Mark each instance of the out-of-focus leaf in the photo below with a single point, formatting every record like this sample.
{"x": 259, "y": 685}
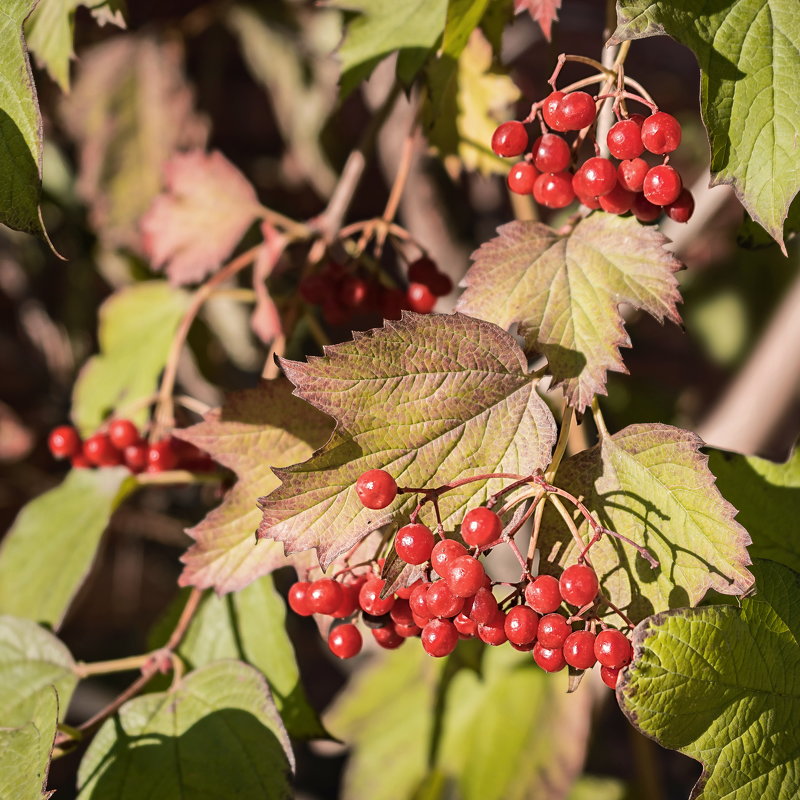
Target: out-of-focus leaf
{"x": 203, "y": 213}
{"x": 589, "y": 787}
{"x": 431, "y": 399}
{"x": 137, "y": 325}
{"x": 254, "y": 431}
{"x": 16, "y": 438}
{"x": 130, "y": 110}
{"x": 544, "y": 13}
{"x": 752, "y": 236}
{"x": 218, "y": 734}
{"x": 47, "y": 553}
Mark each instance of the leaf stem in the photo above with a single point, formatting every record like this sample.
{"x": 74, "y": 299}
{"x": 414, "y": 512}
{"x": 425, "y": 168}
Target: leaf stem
{"x": 599, "y": 422}
{"x": 567, "y": 417}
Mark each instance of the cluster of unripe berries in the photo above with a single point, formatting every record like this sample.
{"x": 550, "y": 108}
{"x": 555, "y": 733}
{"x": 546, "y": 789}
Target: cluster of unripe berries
{"x": 455, "y": 600}
{"x": 343, "y": 294}
{"x": 119, "y": 443}
{"x": 629, "y": 184}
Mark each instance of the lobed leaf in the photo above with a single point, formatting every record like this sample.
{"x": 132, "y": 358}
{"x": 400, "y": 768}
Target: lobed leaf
{"x": 431, "y": 399}
{"x": 543, "y": 12}
{"x": 651, "y": 484}
{"x": 564, "y": 292}
{"x": 254, "y": 429}
{"x": 721, "y": 685}
{"x": 749, "y": 57}
{"x": 216, "y": 735}
{"x": 49, "y": 550}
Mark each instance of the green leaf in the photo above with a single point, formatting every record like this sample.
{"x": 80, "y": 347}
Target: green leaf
{"x": 382, "y": 27}
{"x": 565, "y": 292}
{"x": 720, "y": 684}
{"x": 431, "y": 399}
{"x": 25, "y": 751}
{"x": 464, "y": 103}
{"x": 254, "y": 431}
{"x": 49, "y": 549}
{"x": 249, "y": 625}
{"x": 651, "y": 484}
{"x": 752, "y": 236}
{"x": 20, "y": 125}
{"x": 463, "y": 16}
{"x": 768, "y": 498}
{"x": 749, "y": 56}
{"x": 216, "y": 735}
{"x": 50, "y": 29}
{"x": 400, "y": 750}
{"x": 589, "y": 787}
{"x": 136, "y": 327}
{"x": 32, "y": 663}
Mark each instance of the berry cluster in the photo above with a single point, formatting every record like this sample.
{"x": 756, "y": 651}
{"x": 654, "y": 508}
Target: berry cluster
{"x": 455, "y": 599}
{"x": 618, "y": 185}
{"x": 343, "y": 294}
{"x": 119, "y": 443}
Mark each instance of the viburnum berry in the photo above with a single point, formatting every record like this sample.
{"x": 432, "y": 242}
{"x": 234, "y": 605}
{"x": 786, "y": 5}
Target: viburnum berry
{"x": 122, "y": 433}
{"x": 644, "y": 210}
{"x": 465, "y": 575}
{"x": 510, "y": 139}
{"x": 422, "y": 270}
{"x": 521, "y": 625}
{"x": 618, "y": 201}
{"x": 576, "y": 111}
{"x": 388, "y": 638}
{"x": 521, "y": 178}
{"x": 420, "y": 298}
{"x": 419, "y": 600}
{"x": 578, "y": 584}
{"x": 298, "y": 598}
{"x": 162, "y": 456}
{"x": 349, "y": 602}
{"x": 375, "y": 620}
{"x": 624, "y": 139}
{"x": 554, "y": 189}
{"x": 550, "y": 659}
{"x": 401, "y": 612}
{"x": 578, "y": 649}
{"x": 64, "y": 442}
{"x": 407, "y": 631}
{"x": 405, "y": 591}
{"x": 414, "y": 543}
{"x": 314, "y": 288}
{"x": 370, "y": 600}
{"x": 551, "y": 153}
{"x": 345, "y": 640}
{"x": 376, "y": 488}
{"x": 79, "y": 461}
{"x": 481, "y": 526}
{"x": 662, "y": 185}
{"x": 681, "y": 210}
{"x": 494, "y": 631}
{"x": 610, "y": 676}
{"x": 441, "y": 284}
{"x": 596, "y": 177}
{"x": 324, "y": 596}
{"x": 482, "y": 607}
{"x": 392, "y": 303}
{"x": 99, "y": 451}
{"x": 543, "y": 595}
{"x": 553, "y": 630}
{"x": 630, "y": 174}
{"x": 466, "y": 627}
{"x": 613, "y": 649}
{"x": 523, "y": 648}
{"x": 550, "y": 111}
{"x": 439, "y": 638}
{"x": 584, "y": 199}
{"x": 442, "y": 602}
{"x": 444, "y": 552}
{"x": 353, "y": 292}
{"x": 661, "y": 133}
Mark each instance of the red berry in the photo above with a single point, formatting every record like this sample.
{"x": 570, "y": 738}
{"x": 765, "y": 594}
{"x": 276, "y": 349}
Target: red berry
{"x": 553, "y": 630}
{"x": 135, "y": 457}
{"x": 441, "y": 284}
{"x": 625, "y": 139}
{"x": 376, "y": 488}
{"x": 510, "y": 139}
{"x": 401, "y": 612}
{"x": 494, "y": 632}
{"x": 79, "y": 461}
{"x": 662, "y": 185}
{"x": 407, "y": 631}
{"x": 554, "y": 190}
{"x": 423, "y": 270}
{"x": 345, "y": 641}
{"x": 324, "y": 596}
{"x": 683, "y": 208}
{"x": 644, "y": 210}
{"x": 353, "y": 292}
{"x": 369, "y": 597}
{"x": 349, "y": 602}
{"x": 549, "y": 659}
{"x": 314, "y": 289}
{"x": 162, "y": 456}
{"x": 482, "y": 607}
{"x": 521, "y": 625}
{"x": 442, "y": 602}
{"x": 612, "y": 649}
{"x": 542, "y": 595}
{"x": 618, "y": 201}
{"x": 439, "y": 638}
{"x": 466, "y": 627}
{"x": 480, "y": 527}
{"x": 414, "y": 543}
{"x": 392, "y": 303}
{"x": 444, "y": 552}
{"x": 661, "y": 133}
{"x": 388, "y": 638}
{"x": 122, "y": 433}
{"x": 610, "y": 676}
{"x": 576, "y": 111}
{"x": 521, "y": 178}
{"x": 405, "y": 592}
{"x": 298, "y": 598}
{"x": 99, "y": 451}
{"x": 418, "y": 601}
{"x": 465, "y": 576}
{"x": 420, "y": 298}
{"x": 523, "y": 648}
{"x": 551, "y": 153}
{"x": 579, "y": 650}
{"x": 630, "y": 174}
{"x": 596, "y": 177}
{"x": 64, "y": 442}
{"x": 550, "y": 111}
{"x": 584, "y": 199}
{"x": 578, "y": 584}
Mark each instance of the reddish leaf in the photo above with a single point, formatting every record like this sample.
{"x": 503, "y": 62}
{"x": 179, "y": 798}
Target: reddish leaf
{"x": 545, "y": 12}
{"x": 266, "y": 319}
{"x": 204, "y": 212}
